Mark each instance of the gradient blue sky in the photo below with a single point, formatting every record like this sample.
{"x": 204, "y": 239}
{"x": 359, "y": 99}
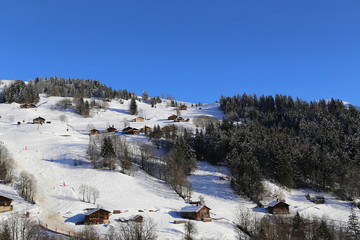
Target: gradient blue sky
{"x": 194, "y": 50}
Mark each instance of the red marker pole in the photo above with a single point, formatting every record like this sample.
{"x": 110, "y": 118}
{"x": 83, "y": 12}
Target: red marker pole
{"x": 52, "y": 160}
{"x": 64, "y": 184}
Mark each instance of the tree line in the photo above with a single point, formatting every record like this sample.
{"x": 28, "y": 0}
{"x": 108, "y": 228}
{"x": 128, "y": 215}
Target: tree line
{"x": 293, "y": 143}
{"x": 297, "y": 227}
{"x": 21, "y": 92}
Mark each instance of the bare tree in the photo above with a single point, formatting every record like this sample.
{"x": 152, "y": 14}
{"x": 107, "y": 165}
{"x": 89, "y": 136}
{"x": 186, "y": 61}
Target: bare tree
{"x": 245, "y": 226}
{"x": 89, "y": 233}
{"x": 19, "y": 227}
{"x": 95, "y": 194}
{"x": 6, "y": 165}
{"x": 93, "y": 150}
{"x": 26, "y": 186}
{"x": 104, "y": 105}
{"x": 145, "y": 230}
{"x": 90, "y": 126}
{"x": 190, "y": 230}
{"x": 63, "y": 118}
{"x": 126, "y": 123}
{"x": 147, "y": 155}
{"x": 202, "y": 200}
{"x": 89, "y": 193}
{"x": 204, "y": 120}
{"x": 82, "y": 191}
{"x": 64, "y": 103}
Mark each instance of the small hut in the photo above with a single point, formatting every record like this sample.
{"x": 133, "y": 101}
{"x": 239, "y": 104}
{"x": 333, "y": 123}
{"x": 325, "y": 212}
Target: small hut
{"x": 179, "y": 119}
{"x": 138, "y": 218}
{"x": 94, "y": 131}
{"x": 130, "y": 130}
{"x": 196, "y": 203}
{"x": 39, "y": 120}
{"x": 5, "y": 204}
{"x": 317, "y": 199}
{"x": 111, "y": 129}
{"x": 28, "y": 105}
{"x": 278, "y": 207}
{"x": 196, "y": 213}
{"x": 139, "y": 119}
{"x": 183, "y": 107}
{"x": 97, "y": 216}
{"x": 172, "y": 117}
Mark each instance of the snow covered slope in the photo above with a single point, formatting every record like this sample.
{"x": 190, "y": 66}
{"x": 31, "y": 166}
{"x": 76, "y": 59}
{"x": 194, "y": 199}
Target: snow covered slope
{"x": 49, "y": 152}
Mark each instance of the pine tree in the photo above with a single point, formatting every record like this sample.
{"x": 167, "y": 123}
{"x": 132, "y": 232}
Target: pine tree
{"x": 5, "y": 233}
{"x": 353, "y": 226}
{"x": 185, "y": 155}
{"x": 298, "y": 229}
{"x": 108, "y": 153}
{"x": 323, "y": 231}
{"x": 145, "y": 96}
{"x": 199, "y": 144}
{"x": 133, "y": 106}
{"x": 86, "y": 109}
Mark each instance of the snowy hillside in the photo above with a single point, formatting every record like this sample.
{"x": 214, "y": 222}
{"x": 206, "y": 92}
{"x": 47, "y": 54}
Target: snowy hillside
{"x": 55, "y": 154}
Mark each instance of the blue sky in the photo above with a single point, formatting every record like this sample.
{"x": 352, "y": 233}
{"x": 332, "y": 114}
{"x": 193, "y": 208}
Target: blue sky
{"x": 194, "y": 50}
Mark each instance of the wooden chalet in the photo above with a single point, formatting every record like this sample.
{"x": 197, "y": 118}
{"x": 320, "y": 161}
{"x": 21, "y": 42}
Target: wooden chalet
{"x": 97, "y": 216}
{"x": 28, "y": 105}
{"x": 139, "y": 119}
{"x": 172, "y": 117}
{"x": 316, "y": 199}
{"x": 138, "y": 218}
{"x": 5, "y": 204}
{"x": 145, "y": 129}
{"x": 199, "y": 213}
{"x": 94, "y": 131}
{"x": 278, "y": 207}
{"x": 180, "y": 119}
{"x": 130, "y": 130}
{"x": 111, "y": 129}
{"x": 39, "y": 120}
{"x": 183, "y": 107}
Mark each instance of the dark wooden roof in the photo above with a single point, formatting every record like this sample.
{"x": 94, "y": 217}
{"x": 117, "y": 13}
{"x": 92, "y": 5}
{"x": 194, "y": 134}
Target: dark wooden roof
{"x": 275, "y": 203}
{"x": 39, "y": 118}
{"x": 95, "y": 210}
{"x": 5, "y": 199}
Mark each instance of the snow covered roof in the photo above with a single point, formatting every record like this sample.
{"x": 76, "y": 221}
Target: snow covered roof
{"x": 94, "y": 210}
{"x": 272, "y": 204}
{"x": 192, "y": 208}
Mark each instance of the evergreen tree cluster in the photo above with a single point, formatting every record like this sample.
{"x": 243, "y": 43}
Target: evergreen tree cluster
{"x": 29, "y": 93}
{"x": 296, "y": 228}
{"x": 294, "y": 143}
{"x": 20, "y": 92}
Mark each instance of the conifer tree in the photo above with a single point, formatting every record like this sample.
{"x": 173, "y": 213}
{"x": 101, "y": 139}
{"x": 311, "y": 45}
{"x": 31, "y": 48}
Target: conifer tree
{"x": 133, "y": 106}
{"x": 145, "y": 96}
{"x": 108, "y": 153}
{"x": 353, "y": 226}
